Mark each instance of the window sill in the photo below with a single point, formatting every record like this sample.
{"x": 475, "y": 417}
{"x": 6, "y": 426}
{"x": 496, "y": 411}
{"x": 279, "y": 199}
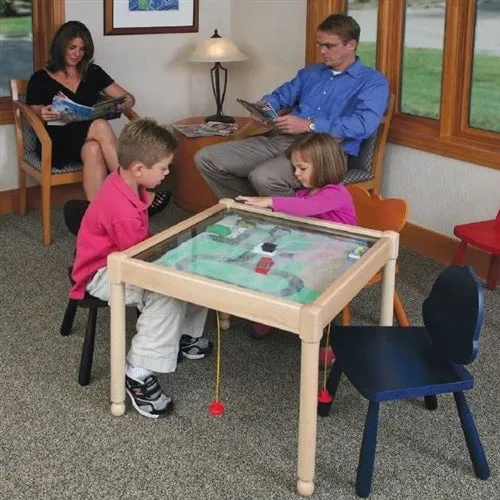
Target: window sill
{"x": 465, "y": 149}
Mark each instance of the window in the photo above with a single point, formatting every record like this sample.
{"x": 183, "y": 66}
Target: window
{"x": 365, "y": 13}
{"x": 16, "y": 49}
{"x": 422, "y": 65}
{"x": 484, "y": 111}
{"x": 26, "y": 28}
{"x": 442, "y": 60}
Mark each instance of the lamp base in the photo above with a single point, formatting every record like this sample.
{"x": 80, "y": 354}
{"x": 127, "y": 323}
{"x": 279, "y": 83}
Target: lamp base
{"x": 220, "y": 118}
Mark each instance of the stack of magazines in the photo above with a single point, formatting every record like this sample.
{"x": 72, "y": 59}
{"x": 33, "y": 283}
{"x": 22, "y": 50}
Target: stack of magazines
{"x": 71, "y": 111}
{"x": 207, "y": 129}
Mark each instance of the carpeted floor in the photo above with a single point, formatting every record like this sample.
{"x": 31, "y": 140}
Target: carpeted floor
{"x": 59, "y": 441}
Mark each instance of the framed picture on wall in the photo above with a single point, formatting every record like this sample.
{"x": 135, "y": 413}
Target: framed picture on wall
{"x": 139, "y": 17}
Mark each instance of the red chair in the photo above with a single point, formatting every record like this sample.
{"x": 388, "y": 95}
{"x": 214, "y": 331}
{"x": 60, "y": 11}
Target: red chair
{"x": 484, "y": 235}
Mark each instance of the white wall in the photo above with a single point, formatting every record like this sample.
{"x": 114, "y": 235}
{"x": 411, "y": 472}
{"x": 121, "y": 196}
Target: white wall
{"x": 442, "y": 192}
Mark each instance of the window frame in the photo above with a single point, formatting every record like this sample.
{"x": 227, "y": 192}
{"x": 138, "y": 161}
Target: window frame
{"x": 450, "y": 135}
{"x": 48, "y": 15}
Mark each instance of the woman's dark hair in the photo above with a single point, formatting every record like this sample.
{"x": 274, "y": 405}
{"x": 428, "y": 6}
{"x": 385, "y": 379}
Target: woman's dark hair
{"x": 67, "y": 32}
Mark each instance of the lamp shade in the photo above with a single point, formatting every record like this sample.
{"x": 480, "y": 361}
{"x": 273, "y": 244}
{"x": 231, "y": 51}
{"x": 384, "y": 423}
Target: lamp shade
{"x": 217, "y": 49}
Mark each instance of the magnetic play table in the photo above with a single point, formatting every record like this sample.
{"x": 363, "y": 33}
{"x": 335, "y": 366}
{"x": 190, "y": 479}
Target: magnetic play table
{"x": 292, "y": 273}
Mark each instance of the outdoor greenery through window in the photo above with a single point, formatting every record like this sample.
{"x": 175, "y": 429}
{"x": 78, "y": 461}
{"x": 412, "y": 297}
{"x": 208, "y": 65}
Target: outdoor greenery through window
{"x": 16, "y": 42}
{"x": 484, "y": 110}
{"x": 422, "y": 58}
{"x": 365, "y": 13}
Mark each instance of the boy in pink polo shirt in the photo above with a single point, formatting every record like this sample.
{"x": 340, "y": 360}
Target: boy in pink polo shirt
{"x": 116, "y": 219}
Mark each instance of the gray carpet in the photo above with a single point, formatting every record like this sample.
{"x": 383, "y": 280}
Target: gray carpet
{"x": 59, "y": 441}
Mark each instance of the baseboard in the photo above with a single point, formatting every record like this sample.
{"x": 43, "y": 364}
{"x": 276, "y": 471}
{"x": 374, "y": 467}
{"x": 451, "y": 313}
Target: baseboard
{"x": 441, "y": 247}
{"x": 9, "y": 200}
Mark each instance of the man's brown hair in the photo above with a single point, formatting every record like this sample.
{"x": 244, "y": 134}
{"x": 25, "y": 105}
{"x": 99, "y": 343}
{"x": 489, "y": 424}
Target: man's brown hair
{"x": 144, "y": 141}
{"x": 324, "y": 153}
{"x": 345, "y": 27}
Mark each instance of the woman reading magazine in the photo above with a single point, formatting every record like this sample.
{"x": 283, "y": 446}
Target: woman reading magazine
{"x": 70, "y": 70}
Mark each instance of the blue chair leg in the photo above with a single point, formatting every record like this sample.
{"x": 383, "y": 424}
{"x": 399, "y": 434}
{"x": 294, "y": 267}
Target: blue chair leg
{"x": 367, "y": 453}
{"x": 331, "y": 384}
{"x": 431, "y": 402}
{"x": 476, "y": 452}
{"x": 88, "y": 349}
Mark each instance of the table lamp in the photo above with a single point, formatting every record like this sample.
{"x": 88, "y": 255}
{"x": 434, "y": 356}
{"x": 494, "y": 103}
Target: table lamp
{"x": 217, "y": 49}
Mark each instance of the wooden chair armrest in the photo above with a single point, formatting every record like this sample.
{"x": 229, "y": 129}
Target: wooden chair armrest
{"x": 131, "y": 114}
{"x": 255, "y": 128}
{"x": 36, "y": 123}
{"x": 250, "y": 129}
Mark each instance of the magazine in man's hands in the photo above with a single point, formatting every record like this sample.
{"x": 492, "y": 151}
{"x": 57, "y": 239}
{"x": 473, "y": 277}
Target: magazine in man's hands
{"x": 260, "y": 108}
{"x": 74, "y": 112}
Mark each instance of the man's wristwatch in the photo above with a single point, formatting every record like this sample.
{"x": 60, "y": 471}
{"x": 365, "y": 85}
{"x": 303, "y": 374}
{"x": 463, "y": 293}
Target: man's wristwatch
{"x": 312, "y": 128}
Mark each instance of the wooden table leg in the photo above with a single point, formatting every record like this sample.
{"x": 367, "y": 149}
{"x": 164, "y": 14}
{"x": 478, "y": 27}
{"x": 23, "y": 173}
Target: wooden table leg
{"x": 308, "y": 416}
{"x": 387, "y": 302}
{"x": 117, "y": 348}
{"x": 225, "y": 322}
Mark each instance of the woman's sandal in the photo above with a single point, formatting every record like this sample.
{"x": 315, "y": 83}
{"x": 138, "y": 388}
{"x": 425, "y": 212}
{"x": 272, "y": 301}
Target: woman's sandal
{"x": 160, "y": 201}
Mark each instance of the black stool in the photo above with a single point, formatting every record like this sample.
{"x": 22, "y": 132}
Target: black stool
{"x": 92, "y": 304}
{"x": 74, "y": 211}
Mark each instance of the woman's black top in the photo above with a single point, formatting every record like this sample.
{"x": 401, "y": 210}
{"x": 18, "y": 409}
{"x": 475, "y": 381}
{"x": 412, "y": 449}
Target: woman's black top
{"x": 67, "y": 140}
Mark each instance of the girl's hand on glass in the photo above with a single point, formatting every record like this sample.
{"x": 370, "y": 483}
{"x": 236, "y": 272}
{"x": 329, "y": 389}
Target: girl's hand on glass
{"x": 256, "y": 201}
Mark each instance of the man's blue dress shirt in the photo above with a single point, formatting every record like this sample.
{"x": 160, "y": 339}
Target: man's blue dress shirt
{"x": 349, "y": 105}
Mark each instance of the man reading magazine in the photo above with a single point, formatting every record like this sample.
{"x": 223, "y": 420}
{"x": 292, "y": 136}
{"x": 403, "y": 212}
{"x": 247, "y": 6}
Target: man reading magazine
{"x": 340, "y": 96}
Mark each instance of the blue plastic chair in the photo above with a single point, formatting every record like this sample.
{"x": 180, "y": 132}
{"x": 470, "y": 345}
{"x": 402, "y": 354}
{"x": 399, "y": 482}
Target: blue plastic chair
{"x": 390, "y": 363}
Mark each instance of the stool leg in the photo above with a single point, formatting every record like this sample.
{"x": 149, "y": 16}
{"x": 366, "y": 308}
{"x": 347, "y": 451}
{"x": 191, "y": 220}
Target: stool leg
{"x": 69, "y": 317}
{"x": 367, "y": 453}
{"x": 491, "y": 280}
{"x": 346, "y": 316}
{"x": 88, "y": 349}
{"x": 399, "y": 311}
{"x": 460, "y": 254}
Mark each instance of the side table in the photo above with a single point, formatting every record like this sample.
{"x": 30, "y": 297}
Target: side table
{"x": 190, "y": 190}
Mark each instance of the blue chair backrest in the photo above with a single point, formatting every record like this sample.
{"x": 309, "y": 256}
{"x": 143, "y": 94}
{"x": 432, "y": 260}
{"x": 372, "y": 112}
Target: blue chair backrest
{"x": 453, "y": 314}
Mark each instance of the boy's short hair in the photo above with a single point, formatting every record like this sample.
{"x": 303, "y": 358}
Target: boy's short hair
{"x": 324, "y": 153}
{"x": 143, "y": 140}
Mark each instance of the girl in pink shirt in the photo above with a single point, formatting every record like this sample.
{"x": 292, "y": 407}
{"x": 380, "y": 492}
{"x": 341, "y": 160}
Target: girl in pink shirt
{"x": 320, "y": 166}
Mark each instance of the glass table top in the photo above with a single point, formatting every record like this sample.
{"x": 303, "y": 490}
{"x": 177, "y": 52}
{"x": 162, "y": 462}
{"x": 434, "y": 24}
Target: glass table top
{"x": 287, "y": 259}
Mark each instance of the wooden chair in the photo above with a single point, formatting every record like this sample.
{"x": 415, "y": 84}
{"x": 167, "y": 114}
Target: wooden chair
{"x": 388, "y": 363}
{"x": 364, "y": 170}
{"x": 388, "y": 214}
{"x": 29, "y": 127}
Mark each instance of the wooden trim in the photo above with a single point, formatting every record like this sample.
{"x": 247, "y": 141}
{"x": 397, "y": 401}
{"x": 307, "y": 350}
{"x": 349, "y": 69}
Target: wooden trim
{"x": 441, "y": 247}
{"x": 9, "y": 200}
{"x": 47, "y": 16}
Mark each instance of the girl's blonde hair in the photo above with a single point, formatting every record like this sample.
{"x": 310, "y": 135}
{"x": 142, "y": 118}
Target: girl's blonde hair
{"x": 323, "y": 152}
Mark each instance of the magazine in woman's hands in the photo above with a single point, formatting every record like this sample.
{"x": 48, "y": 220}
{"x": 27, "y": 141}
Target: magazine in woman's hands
{"x": 260, "y": 108}
{"x": 74, "y": 112}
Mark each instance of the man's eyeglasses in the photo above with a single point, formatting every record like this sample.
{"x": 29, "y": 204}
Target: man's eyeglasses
{"x": 329, "y": 46}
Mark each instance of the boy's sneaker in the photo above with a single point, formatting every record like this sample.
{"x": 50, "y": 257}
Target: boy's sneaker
{"x": 147, "y": 398}
{"x": 195, "y": 348}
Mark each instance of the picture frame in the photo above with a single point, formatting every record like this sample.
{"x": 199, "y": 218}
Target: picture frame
{"x": 142, "y": 17}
